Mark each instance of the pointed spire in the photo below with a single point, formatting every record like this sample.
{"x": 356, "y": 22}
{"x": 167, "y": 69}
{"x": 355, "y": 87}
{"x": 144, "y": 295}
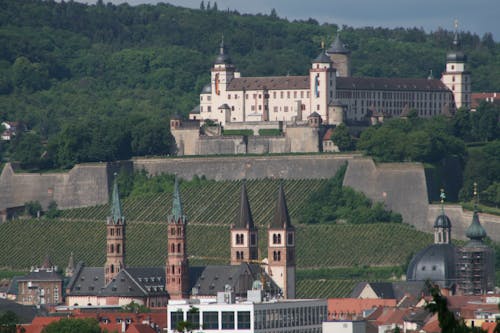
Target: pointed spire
{"x": 222, "y": 57}
{"x": 281, "y": 216}
{"x": 177, "y": 212}
{"x": 456, "y": 41}
{"x": 70, "y": 269}
{"x": 338, "y": 46}
{"x": 475, "y": 231}
{"x": 47, "y": 263}
{"x": 116, "y": 209}
{"x": 244, "y": 219}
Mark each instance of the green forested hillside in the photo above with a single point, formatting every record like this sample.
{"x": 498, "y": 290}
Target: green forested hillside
{"x": 109, "y": 76}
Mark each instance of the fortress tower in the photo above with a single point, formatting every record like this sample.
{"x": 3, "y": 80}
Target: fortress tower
{"x": 244, "y": 241}
{"x": 456, "y": 77}
{"x": 115, "y": 239}
{"x": 322, "y": 80}
{"x": 177, "y": 276}
{"x": 281, "y": 248}
{"x": 340, "y": 56}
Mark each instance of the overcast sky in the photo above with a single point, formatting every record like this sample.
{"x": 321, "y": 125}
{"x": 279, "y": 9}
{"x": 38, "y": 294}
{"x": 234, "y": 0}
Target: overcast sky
{"x": 478, "y": 16}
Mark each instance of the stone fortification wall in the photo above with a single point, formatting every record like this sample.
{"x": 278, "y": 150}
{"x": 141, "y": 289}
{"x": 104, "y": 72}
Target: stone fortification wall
{"x": 221, "y": 145}
{"x": 461, "y": 219}
{"x": 400, "y": 186}
{"x": 267, "y": 145}
{"x": 84, "y": 185}
{"x": 303, "y": 139}
{"x": 250, "y": 167}
{"x": 255, "y": 126}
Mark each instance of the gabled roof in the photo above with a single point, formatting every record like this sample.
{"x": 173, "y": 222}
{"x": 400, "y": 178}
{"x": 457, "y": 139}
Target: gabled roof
{"x": 244, "y": 219}
{"x": 379, "y": 83}
{"x": 270, "y": 83}
{"x": 322, "y": 58}
{"x": 281, "y": 218}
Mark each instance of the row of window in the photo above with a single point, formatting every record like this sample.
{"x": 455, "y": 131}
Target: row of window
{"x": 211, "y": 320}
{"x": 112, "y": 248}
{"x": 291, "y": 317}
{"x": 118, "y": 231}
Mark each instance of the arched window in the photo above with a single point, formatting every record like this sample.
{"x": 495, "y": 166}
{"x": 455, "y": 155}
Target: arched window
{"x": 279, "y": 255}
{"x": 172, "y": 231}
{"x": 173, "y": 270}
{"x": 279, "y": 238}
{"x": 179, "y": 248}
{"x": 112, "y": 268}
{"x": 112, "y": 248}
{"x": 238, "y": 255}
{"x": 172, "y": 248}
{"x": 241, "y": 255}
{"x": 117, "y": 248}
{"x": 242, "y": 238}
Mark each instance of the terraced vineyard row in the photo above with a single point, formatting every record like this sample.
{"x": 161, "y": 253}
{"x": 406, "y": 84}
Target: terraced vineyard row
{"x": 25, "y": 243}
{"x": 324, "y": 288}
{"x": 220, "y": 202}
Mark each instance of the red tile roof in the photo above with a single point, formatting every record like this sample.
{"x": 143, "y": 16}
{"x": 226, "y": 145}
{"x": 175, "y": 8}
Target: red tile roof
{"x": 355, "y": 306}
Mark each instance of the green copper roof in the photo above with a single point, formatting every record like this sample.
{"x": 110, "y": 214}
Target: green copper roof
{"x": 116, "y": 209}
{"x": 475, "y": 231}
{"x": 177, "y": 212}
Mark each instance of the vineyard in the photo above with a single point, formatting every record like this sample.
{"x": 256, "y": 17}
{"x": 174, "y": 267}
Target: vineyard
{"x": 24, "y": 243}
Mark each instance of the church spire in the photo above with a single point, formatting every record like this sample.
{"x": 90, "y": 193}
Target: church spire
{"x": 442, "y": 225}
{"x": 244, "y": 219}
{"x": 70, "y": 269}
{"x": 281, "y": 216}
{"x": 177, "y": 212}
{"x": 116, "y": 209}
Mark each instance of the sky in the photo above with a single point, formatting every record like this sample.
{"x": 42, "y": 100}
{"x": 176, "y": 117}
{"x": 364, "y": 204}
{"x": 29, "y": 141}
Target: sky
{"x": 477, "y": 16}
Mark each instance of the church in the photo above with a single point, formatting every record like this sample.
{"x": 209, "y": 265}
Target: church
{"x": 116, "y": 284}
{"x": 330, "y": 91}
{"x": 464, "y": 270}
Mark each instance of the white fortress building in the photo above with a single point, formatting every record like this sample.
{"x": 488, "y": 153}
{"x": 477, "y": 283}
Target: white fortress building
{"x": 330, "y": 91}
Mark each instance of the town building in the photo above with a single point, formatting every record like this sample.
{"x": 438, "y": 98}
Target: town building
{"x": 249, "y": 315}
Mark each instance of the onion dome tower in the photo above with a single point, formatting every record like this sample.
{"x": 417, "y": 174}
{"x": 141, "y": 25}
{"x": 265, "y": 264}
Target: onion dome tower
{"x": 456, "y": 77}
{"x": 436, "y": 262}
{"x": 244, "y": 243}
{"x": 476, "y": 266}
{"x": 115, "y": 238}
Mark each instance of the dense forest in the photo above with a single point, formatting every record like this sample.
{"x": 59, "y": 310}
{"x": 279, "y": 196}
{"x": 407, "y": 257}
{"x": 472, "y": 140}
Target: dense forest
{"x": 99, "y": 82}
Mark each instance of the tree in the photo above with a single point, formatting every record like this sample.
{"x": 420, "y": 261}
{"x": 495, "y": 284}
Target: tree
{"x": 8, "y": 322}
{"x": 202, "y": 5}
{"x": 342, "y": 138}
{"x": 52, "y": 211}
{"x": 26, "y": 148}
{"x": 86, "y": 325}
{"x": 33, "y": 208}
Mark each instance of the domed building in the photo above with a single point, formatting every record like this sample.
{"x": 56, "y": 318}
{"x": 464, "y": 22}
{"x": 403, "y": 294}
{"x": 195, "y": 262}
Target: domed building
{"x": 437, "y": 262}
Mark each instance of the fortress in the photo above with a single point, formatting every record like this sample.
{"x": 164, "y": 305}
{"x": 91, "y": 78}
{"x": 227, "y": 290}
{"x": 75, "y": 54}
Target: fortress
{"x": 302, "y": 108}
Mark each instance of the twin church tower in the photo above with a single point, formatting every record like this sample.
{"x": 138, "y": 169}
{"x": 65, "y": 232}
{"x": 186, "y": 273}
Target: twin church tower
{"x": 279, "y": 266}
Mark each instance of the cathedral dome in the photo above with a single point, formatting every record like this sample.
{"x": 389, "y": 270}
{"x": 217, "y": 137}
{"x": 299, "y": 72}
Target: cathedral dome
{"x": 437, "y": 262}
{"x": 442, "y": 221}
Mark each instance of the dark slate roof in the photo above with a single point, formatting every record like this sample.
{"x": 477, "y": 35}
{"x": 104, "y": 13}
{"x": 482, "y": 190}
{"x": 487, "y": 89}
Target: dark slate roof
{"x": 281, "y": 216}
{"x": 382, "y": 289}
{"x": 13, "y": 289}
{"x": 224, "y": 107}
{"x": 207, "y": 89}
{"x": 322, "y": 58}
{"x": 244, "y": 219}
{"x": 24, "y": 312}
{"x": 314, "y": 115}
{"x": 214, "y": 278}
{"x": 442, "y": 221}
{"x": 437, "y": 262}
{"x": 338, "y": 47}
{"x": 378, "y": 83}
{"x": 415, "y": 289}
{"x": 41, "y": 276}
{"x": 271, "y": 83}
{"x": 132, "y": 282}
{"x": 195, "y": 110}
{"x": 222, "y": 57}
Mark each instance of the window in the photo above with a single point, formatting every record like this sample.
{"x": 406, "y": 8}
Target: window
{"x": 275, "y": 109}
{"x": 210, "y": 320}
{"x": 287, "y": 94}
{"x": 194, "y": 318}
{"x": 290, "y": 238}
{"x": 179, "y": 248}
{"x": 274, "y": 94}
{"x": 286, "y": 108}
{"x": 117, "y": 248}
{"x": 118, "y": 231}
{"x": 175, "y": 318}
{"x": 209, "y": 109}
{"x": 243, "y": 320}
{"x": 281, "y": 94}
{"x": 228, "y": 96}
{"x": 228, "y": 320}
{"x": 112, "y": 232}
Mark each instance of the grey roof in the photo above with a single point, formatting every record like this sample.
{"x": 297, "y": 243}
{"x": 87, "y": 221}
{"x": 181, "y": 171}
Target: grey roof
{"x": 177, "y": 214}
{"x": 224, "y": 107}
{"x": 207, "y": 89}
{"x": 442, "y": 221}
{"x": 338, "y": 47}
{"x": 244, "y": 218}
{"x": 13, "y": 289}
{"x": 132, "y": 282}
{"x": 437, "y": 262}
{"x": 222, "y": 57}
{"x": 322, "y": 58}
{"x": 314, "y": 115}
{"x": 41, "y": 275}
{"x": 26, "y": 313}
{"x": 271, "y": 83}
{"x": 214, "y": 278}
{"x": 281, "y": 218}
{"x": 379, "y": 83}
